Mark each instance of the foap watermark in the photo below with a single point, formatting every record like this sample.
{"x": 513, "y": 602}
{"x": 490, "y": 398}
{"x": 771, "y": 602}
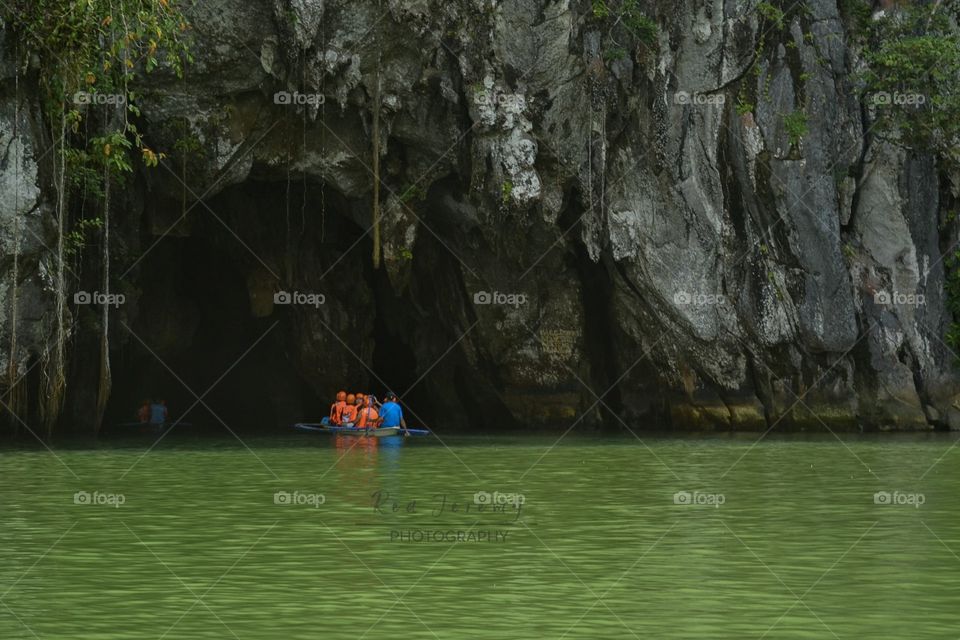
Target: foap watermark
{"x": 99, "y": 499}
{"x": 491, "y": 98}
{"x": 699, "y": 99}
{"x": 495, "y": 498}
{"x": 899, "y": 299}
{"x": 899, "y": 498}
{"x": 85, "y": 97}
{"x": 700, "y": 499}
{"x": 298, "y": 99}
{"x": 885, "y": 98}
{"x": 687, "y": 298}
{"x": 97, "y": 298}
{"x": 299, "y": 499}
{"x": 499, "y": 298}
{"x": 299, "y": 297}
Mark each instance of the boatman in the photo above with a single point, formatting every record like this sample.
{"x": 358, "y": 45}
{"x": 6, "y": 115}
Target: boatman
{"x": 391, "y": 415}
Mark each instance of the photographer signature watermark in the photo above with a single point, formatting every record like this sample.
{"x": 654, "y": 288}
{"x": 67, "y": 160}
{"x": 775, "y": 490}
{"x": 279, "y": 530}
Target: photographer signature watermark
{"x": 483, "y": 504}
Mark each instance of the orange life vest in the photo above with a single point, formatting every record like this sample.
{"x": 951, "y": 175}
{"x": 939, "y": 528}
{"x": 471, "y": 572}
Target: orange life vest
{"x": 348, "y": 413}
{"x": 368, "y": 418}
{"x": 336, "y": 411}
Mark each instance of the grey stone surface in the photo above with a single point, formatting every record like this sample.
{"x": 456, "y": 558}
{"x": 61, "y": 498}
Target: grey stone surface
{"x": 738, "y": 271}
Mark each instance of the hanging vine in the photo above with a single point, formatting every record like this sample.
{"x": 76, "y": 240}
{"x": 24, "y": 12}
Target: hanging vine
{"x": 90, "y": 53}
{"x": 16, "y": 392}
{"x": 376, "y": 168}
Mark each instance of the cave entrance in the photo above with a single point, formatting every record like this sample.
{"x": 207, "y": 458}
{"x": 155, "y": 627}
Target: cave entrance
{"x": 195, "y": 325}
{"x": 394, "y": 359}
{"x": 193, "y": 333}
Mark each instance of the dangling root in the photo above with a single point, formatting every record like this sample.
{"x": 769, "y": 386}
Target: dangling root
{"x": 376, "y": 170}
{"x": 54, "y": 363}
{"x": 106, "y": 381}
{"x": 16, "y": 396}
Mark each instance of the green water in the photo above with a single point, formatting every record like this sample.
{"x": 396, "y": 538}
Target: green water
{"x": 788, "y": 543}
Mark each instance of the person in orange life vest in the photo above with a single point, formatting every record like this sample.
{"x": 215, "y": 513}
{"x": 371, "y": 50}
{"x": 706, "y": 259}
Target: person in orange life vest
{"x": 143, "y": 414}
{"x": 349, "y": 414}
{"x": 369, "y": 417}
{"x": 359, "y": 404}
{"x": 336, "y": 409}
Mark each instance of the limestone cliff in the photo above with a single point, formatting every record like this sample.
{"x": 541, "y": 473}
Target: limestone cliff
{"x": 580, "y": 224}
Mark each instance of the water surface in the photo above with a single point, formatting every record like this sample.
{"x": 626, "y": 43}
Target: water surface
{"x": 284, "y": 537}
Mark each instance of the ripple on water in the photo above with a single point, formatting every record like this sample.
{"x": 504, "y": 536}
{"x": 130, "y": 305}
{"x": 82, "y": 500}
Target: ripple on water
{"x": 796, "y": 549}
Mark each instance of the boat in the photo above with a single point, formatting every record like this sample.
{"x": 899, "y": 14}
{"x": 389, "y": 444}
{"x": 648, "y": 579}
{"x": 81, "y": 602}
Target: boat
{"x": 382, "y": 432}
{"x": 150, "y": 425}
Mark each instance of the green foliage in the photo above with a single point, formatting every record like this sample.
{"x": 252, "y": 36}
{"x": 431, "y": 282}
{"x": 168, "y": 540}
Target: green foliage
{"x": 617, "y": 53}
{"x": 642, "y": 26}
{"x": 953, "y": 337}
{"x": 743, "y": 107}
{"x": 952, "y": 291}
{"x": 796, "y": 126}
{"x": 629, "y": 14}
{"x": 77, "y": 239}
{"x": 97, "y": 46}
{"x": 772, "y": 13}
{"x": 912, "y": 80}
{"x": 188, "y": 145}
{"x": 857, "y": 11}
{"x": 90, "y": 53}
{"x": 411, "y": 193}
{"x": 507, "y": 191}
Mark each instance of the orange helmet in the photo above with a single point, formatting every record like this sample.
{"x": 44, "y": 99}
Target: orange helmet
{"x": 351, "y": 399}
{"x": 341, "y": 396}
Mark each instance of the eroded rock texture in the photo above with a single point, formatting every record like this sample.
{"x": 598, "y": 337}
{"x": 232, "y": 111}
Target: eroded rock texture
{"x": 667, "y": 252}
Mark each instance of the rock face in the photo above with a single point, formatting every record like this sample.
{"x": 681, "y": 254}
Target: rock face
{"x": 578, "y": 226}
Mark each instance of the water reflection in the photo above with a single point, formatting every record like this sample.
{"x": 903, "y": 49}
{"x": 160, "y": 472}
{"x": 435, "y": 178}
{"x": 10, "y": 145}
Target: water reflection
{"x": 603, "y": 547}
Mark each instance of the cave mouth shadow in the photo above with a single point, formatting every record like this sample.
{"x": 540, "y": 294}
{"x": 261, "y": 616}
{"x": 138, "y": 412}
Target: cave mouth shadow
{"x": 199, "y": 319}
{"x": 193, "y": 334}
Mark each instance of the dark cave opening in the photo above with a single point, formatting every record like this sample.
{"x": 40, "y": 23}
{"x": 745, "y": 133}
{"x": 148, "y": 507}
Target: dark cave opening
{"x": 196, "y": 324}
{"x": 194, "y": 335}
{"x": 394, "y": 361}
{"x": 597, "y": 299}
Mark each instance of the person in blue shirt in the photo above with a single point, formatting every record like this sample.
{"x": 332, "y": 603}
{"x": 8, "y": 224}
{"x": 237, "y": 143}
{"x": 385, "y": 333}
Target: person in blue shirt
{"x": 158, "y": 412}
{"x": 391, "y": 415}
